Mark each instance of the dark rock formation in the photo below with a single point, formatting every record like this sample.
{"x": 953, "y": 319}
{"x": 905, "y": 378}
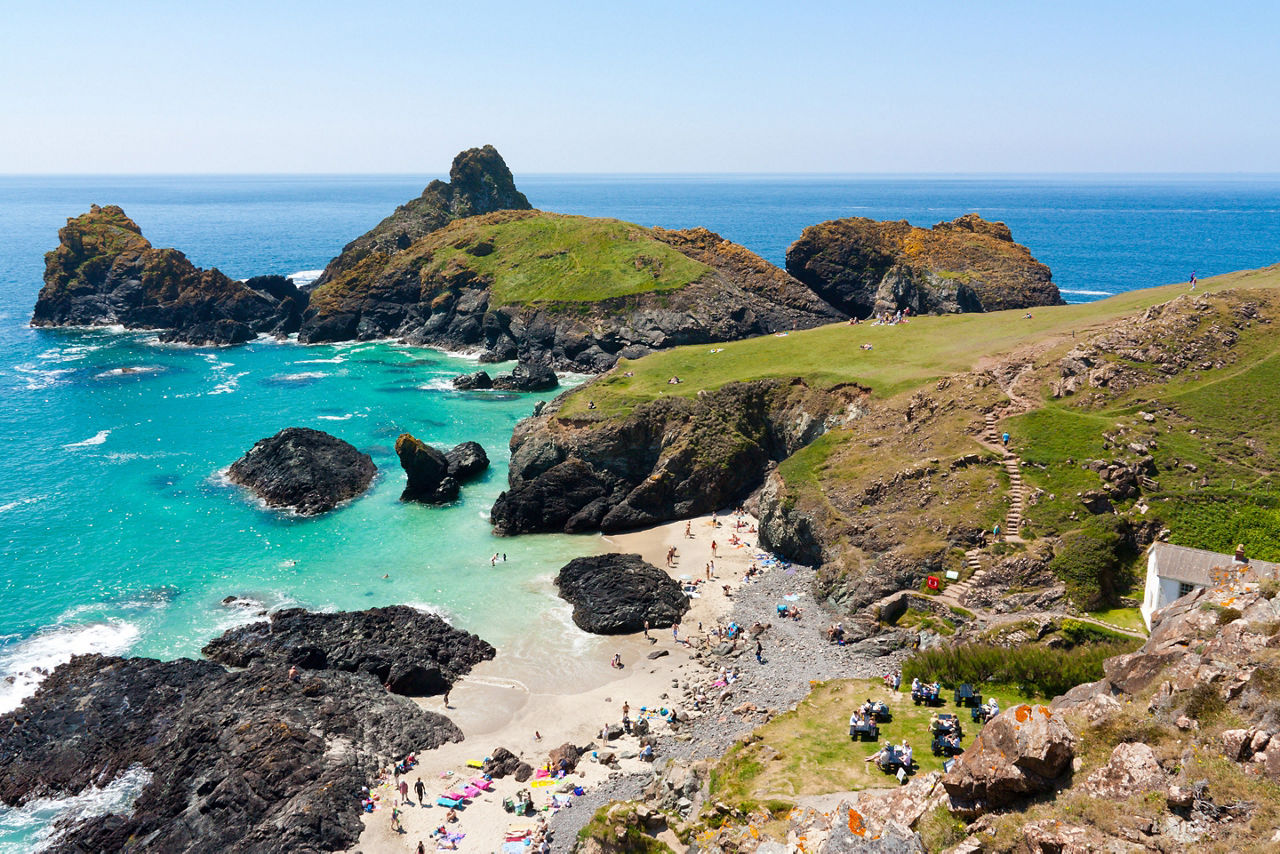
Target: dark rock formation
{"x": 451, "y": 288}
{"x": 243, "y": 761}
{"x": 479, "y": 183}
{"x": 435, "y": 477}
{"x": 670, "y": 458}
{"x": 568, "y": 753}
{"x": 304, "y": 469}
{"x": 105, "y": 272}
{"x": 527, "y": 376}
{"x": 863, "y": 267}
{"x": 415, "y": 653}
{"x": 615, "y": 594}
{"x": 468, "y": 382}
{"x": 467, "y": 460}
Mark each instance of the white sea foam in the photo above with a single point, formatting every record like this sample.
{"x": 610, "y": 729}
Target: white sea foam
{"x": 300, "y": 377}
{"x": 13, "y": 505}
{"x": 41, "y": 378}
{"x": 129, "y": 370}
{"x": 438, "y": 384}
{"x": 230, "y": 384}
{"x": 96, "y": 439}
{"x": 346, "y": 417}
{"x": 302, "y": 278}
{"x": 30, "y": 660}
{"x": 36, "y": 819}
{"x": 1085, "y": 293}
{"x": 336, "y": 360}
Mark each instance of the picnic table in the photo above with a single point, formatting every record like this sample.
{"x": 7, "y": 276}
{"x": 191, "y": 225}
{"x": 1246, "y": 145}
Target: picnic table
{"x": 966, "y": 696}
{"x": 860, "y": 727}
{"x": 927, "y": 694}
{"x": 945, "y": 723}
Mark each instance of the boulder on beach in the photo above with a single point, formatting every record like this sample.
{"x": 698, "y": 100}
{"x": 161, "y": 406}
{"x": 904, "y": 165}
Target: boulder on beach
{"x": 616, "y": 593}
{"x": 410, "y": 651}
{"x": 307, "y": 470}
{"x": 434, "y": 476}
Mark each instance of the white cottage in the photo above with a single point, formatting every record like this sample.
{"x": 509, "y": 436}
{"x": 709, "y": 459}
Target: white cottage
{"x": 1175, "y": 571}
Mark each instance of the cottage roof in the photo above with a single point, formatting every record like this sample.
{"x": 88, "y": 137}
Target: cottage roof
{"x": 1205, "y": 568}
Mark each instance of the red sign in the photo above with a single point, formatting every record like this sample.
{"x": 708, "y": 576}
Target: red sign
{"x": 933, "y": 582}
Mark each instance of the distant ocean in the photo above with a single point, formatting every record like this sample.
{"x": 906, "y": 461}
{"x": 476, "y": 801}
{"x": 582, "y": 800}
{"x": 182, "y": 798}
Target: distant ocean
{"x": 120, "y": 536}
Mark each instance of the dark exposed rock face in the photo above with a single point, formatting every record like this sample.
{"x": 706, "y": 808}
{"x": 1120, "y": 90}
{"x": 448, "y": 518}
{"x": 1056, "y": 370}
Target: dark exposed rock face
{"x": 244, "y": 761}
{"x": 415, "y": 653}
{"x": 671, "y": 458}
{"x": 105, "y": 272}
{"x": 431, "y": 292}
{"x": 863, "y": 267}
{"x": 479, "y": 183}
{"x": 304, "y": 469}
{"x": 527, "y": 376}
{"x": 615, "y": 594}
{"x": 435, "y": 477}
{"x": 468, "y": 382}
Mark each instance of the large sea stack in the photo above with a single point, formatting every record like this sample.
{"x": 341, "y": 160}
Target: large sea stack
{"x": 468, "y": 266}
{"x": 306, "y": 470}
{"x": 865, "y": 267}
{"x": 105, "y": 272}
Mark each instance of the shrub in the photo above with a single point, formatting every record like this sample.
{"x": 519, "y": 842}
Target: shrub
{"x": 1269, "y": 587}
{"x": 1037, "y": 670}
{"x": 1204, "y": 702}
{"x": 1091, "y": 562}
{"x": 1228, "y": 615}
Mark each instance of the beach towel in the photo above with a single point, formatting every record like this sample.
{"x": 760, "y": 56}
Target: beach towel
{"x": 482, "y": 784}
{"x": 446, "y": 802}
{"x": 471, "y": 792}
{"x": 540, "y": 773}
{"x": 540, "y": 783}
{"x": 455, "y": 796}
{"x": 513, "y": 848}
{"x": 474, "y": 763}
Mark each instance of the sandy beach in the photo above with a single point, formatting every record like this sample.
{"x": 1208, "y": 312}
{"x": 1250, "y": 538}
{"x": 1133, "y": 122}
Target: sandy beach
{"x": 499, "y": 704}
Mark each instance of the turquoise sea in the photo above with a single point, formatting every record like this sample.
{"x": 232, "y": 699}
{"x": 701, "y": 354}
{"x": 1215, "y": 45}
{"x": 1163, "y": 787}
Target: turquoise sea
{"x": 119, "y": 535}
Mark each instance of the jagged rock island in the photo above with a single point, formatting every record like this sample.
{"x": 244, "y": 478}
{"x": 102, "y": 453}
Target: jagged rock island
{"x": 864, "y": 267}
{"x": 433, "y": 476}
{"x": 245, "y": 760}
{"x": 469, "y": 266}
{"x": 305, "y": 470}
{"x": 105, "y": 272}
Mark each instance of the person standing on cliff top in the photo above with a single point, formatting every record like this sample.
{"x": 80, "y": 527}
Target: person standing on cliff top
{"x": 1193, "y": 280}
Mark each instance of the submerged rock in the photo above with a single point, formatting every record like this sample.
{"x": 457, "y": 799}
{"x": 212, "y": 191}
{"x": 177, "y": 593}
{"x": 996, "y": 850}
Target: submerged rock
{"x": 307, "y": 470}
{"x": 243, "y": 761}
{"x": 411, "y": 652}
{"x": 865, "y": 267}
{"x": 105, "y": 272}
{"x": 617, "y": 593}
{"x": 469, "y": 382}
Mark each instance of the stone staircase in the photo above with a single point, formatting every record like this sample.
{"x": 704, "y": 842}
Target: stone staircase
{"x": 955, "y": 592}
{"x": 1010, "y": 531}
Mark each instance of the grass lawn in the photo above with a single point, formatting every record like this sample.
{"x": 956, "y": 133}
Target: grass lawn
{"x": 1128, "y": 618}
{"x": 808, "y": 751}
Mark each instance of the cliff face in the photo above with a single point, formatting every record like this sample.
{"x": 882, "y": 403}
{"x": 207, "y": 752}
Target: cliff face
{"x": 863, "y": 267}
{"x": 105, "y": 272}
{"x": 479, "y": 183}
{"x": 574, "y": 291}
{"x": 669, "y": 459}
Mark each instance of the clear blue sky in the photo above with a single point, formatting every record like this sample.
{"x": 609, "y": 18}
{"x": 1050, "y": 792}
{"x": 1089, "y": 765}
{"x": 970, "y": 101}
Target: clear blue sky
{"x": 196, "y": 86}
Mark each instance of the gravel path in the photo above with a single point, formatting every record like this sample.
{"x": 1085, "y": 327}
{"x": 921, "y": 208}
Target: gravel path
{"x": 795, "y": 653}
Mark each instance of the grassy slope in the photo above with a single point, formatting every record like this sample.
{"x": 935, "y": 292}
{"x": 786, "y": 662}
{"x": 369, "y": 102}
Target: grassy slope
{"x": 526, "y": 257}
{"x": 902, "y": 358}
{"x": 814, "y": 754}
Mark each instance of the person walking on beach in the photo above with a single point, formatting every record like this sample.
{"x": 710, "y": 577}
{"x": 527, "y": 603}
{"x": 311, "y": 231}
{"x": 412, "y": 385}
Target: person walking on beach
{"x": 421, "y": 791}
{"x": 446, "y": 696}
{"x": 759, "y": 653}
{"x": 675, "y": 632}
{"x": 404, "y": 791}
{"x": 713, "y": 549}
{"x": 688, "y": 530}
{"x": 422, "y": 849}
{"x": 646, "y": 631}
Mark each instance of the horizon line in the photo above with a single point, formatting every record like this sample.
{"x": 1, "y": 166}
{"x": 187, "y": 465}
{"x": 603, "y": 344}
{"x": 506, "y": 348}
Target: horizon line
{"x": 683, "y": 174}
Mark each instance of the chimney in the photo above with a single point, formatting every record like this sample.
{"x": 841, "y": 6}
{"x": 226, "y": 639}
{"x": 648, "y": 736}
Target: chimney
{"x": 1240, "y": 558}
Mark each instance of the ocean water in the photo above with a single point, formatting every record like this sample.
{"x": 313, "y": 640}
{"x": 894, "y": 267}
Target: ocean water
{"x": 119, "y": 535}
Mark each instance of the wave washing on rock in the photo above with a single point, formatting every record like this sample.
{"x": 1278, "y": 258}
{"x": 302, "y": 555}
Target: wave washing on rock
{"x": 257, "y": 759}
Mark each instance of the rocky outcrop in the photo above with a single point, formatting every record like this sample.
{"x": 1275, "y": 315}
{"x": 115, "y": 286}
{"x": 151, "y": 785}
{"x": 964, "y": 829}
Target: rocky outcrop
{"x": 408, "y": 651}
{"x": 572, "y": 292}
{"x": 616, "y": 594}
{"x": 864, "y": 267}
{"x": 1021, "y": 752}
{"x": 479, "y": 183}
{"x": 235, "y": 761}
{"x": 670, "y": 458}
{"x": 308, "y": 471}
{"x": 470, "y": 382}
{"x": 527, "y": 376}
{"x": 105, "y": 272}
{"x": 434, "y": 477}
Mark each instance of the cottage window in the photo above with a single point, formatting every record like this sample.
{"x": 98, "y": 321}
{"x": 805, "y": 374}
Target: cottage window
{"x": 1184, "y": 588}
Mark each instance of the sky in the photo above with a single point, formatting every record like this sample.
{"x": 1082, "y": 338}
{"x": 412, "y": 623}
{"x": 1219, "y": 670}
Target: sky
{"x": 610, "y": 87}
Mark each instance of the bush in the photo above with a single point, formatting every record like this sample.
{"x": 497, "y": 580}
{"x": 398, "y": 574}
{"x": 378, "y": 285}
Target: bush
{"x": 1091, "y": 562}
{"x": 1269, "y": 587}
{"x": 1204, "y": 702}
{"x": 1037, "y": 670}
